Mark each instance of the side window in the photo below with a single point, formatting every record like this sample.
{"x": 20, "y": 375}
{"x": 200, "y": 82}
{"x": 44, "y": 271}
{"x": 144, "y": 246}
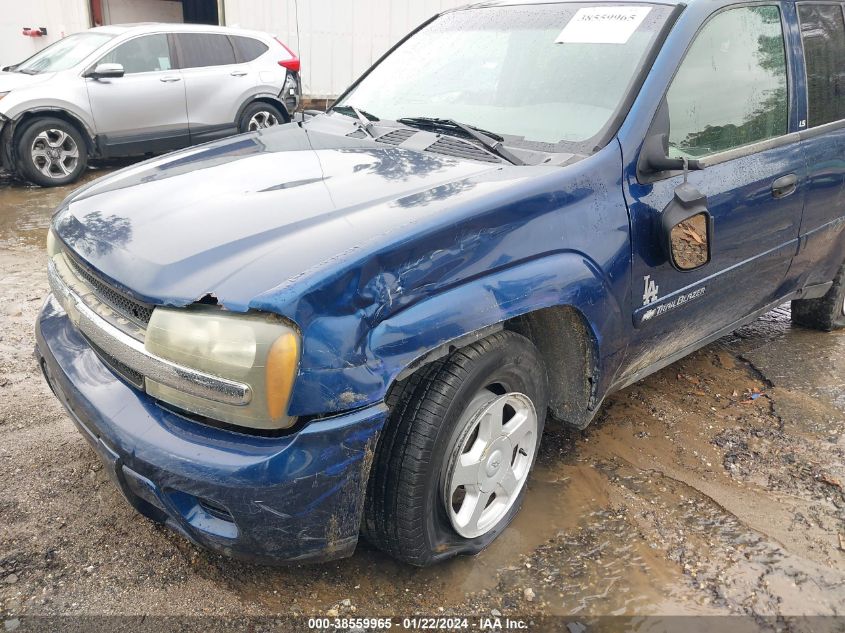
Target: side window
{"x": 148, "y": 53}
{"x": 205, "y": 49}
{"x": 823, "y": 36}
{"x": 248, "y": 48}
{"x": 731, "y": 88}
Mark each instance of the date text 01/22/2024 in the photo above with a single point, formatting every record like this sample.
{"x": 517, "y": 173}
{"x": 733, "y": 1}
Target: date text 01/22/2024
{"x": 492, "y": 623}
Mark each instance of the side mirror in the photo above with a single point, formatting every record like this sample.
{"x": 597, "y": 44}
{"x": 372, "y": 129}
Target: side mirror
{"x": 106, "y": 71}
{"x": 654, "y": 156}
{"x": 687, "y": 229}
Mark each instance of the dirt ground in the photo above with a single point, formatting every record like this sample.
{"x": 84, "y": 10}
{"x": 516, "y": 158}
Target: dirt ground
{"x": 712, "y": 487}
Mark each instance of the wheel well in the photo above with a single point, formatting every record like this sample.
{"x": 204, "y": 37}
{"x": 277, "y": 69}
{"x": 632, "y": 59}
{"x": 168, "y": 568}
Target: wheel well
{"x": 67, "y": 117}
{"x": 567, "y": 345}
{"x": 269, "y": 100}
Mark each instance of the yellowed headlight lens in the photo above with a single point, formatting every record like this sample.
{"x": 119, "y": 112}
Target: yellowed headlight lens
{"x": 259, "y": 350}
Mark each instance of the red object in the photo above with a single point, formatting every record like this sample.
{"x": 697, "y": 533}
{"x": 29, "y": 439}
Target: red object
{"x": 32, "y": 32}
{"x": 97, "y": 12}
{"x": 292, "y": 64}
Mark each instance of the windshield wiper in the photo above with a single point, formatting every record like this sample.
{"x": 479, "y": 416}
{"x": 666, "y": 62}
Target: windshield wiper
{"x": 365, "y": 119}
{"x": 490, "y": 140}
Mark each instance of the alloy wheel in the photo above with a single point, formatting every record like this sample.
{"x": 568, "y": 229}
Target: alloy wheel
{"x": 54, "y": 153}
{"x": 490, "y": 461}
{"x": 261, "y": 120}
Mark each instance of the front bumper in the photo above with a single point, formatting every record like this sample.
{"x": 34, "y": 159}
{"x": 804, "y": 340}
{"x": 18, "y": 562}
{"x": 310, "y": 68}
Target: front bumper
{"x": 267, "y": 499}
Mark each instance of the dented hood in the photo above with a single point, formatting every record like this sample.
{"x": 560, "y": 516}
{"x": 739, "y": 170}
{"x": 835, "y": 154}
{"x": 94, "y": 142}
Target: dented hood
{"x": 242, "y": 216}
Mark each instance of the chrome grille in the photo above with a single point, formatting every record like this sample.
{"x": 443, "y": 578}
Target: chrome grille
{"x": 135, "y": 378}
{"x": 132, "y": 309}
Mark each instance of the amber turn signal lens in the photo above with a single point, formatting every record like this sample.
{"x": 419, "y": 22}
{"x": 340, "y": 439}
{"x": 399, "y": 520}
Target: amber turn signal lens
{"x": 280, "y": 373}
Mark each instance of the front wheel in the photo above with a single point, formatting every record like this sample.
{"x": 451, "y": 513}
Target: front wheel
{"x": 51, "y": 152}
{"x": 451, "y": 468}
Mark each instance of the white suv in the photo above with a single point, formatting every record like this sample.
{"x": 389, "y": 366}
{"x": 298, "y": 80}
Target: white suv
{"x": 139, "y": 89}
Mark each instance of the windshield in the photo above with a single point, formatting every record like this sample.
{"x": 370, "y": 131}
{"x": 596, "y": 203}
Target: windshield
{"x": 64, "y": 54}
{"x": 548, "y": 74}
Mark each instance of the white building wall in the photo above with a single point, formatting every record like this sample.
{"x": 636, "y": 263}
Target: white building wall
{"x": 60, "y": 17}
{"x": 338, "y": 39}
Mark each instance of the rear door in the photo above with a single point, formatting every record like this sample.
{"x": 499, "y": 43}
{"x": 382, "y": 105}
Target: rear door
{"x": 822, "y": 32}
{"x": 728, "y": 106}
{"x": 216, "y": 83}
{"x": 145, "y": 109}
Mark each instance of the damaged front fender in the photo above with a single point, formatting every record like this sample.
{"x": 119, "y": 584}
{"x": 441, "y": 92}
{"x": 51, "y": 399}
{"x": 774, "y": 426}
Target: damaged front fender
{"x": 406, "y": 340}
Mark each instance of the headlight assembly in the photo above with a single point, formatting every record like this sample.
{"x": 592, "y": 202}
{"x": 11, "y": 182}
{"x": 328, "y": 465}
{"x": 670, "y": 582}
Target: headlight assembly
{"x": 52, "y": 244}
{"x": 261, "y": 351}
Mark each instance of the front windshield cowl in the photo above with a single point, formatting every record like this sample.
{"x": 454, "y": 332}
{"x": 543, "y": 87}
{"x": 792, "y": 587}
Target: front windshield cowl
{"x": 545, "y": 77}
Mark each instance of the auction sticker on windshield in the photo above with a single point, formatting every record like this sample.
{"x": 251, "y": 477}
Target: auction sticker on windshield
{"x": 602, "y": 25}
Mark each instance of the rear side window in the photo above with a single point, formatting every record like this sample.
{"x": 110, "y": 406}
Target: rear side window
{"x": 823, "y": 36}
{"x": 731, "y": 88}
{"x": 248, "y": 48}
{"x": 198, "y": 50}
{"x": 145, "y": 54}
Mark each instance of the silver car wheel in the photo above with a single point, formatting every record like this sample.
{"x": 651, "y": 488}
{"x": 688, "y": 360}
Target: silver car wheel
{"x": 489, "y": 462}
{"x": 261, "y": 120}
{"x": 54, "y": 153}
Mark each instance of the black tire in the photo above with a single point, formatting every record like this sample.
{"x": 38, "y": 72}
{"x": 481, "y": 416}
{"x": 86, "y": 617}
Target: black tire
{"x": 60, "y": 165}
{"x": 826, "y": 313}
{"x": 405, "y": 514}
{"x": 257, "y": 109}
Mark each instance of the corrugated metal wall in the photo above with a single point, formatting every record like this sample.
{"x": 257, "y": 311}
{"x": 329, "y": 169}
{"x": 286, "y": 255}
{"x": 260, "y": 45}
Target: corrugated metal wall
{"x": 338, "y": 39}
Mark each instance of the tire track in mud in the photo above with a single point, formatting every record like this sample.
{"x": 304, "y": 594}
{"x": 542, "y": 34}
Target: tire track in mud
{"x": 722, "y": 535}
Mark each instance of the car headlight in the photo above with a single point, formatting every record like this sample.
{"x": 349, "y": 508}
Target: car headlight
{"x": 3, "y": 94}
{"x": 53, "y": 246}
{"x": 259, "y": 350}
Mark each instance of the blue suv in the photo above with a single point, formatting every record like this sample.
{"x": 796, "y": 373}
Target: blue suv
{"x": 359, "y": 323}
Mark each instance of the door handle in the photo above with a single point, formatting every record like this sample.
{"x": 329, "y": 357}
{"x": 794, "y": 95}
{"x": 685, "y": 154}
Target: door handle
{"x": 170, "y": 79}
{"x": 784, "y": 186}
{"x": 238, "y": 73}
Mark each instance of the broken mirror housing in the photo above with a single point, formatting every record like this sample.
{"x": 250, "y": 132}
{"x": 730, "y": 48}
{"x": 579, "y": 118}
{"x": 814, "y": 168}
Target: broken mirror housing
{"x": 257, "y": 350}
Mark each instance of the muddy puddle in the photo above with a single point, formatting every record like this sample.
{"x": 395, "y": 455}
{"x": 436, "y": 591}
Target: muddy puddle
{"x": 712, "y": 487}
{"x": 25, "y": 209}
{"x": 707, "y": 489}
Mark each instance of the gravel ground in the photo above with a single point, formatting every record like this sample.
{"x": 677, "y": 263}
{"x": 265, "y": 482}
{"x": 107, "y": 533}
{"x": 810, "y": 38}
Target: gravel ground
{"x": 714, "y": 487}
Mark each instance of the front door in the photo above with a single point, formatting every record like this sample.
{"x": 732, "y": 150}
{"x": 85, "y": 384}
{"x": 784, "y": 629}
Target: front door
{"x": 728, "y": 106}
{"x": 144, "y": 110}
